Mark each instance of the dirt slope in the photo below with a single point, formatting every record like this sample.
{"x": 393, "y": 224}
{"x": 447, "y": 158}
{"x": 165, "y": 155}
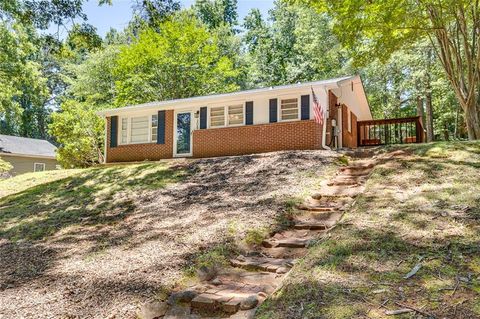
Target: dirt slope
{"x": 96, "y": 244}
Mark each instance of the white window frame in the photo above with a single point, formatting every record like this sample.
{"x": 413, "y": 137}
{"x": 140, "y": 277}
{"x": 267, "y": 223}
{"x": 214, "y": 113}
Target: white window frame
{"x": 35, "y": 167}
{"x": 129, "y": 129}
{"x": 279, "y": 107}
{"x": 225, "y": 116}
{"x": 225, "y": 107}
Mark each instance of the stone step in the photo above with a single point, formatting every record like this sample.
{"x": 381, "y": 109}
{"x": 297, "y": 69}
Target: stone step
{"x": 343, "y": 183}
{"x": 358, "y": 166}
{"x": 276, "y": 265}
{"x": 339, "y": 191}
{"x": 310, "y": 225}
{"x": 234, "y": 290}
{"x": 287, "y": 242}
{"x": 316, "y": 208}
{"x": 355, "y": 172}
{"x": 284, "y": 252}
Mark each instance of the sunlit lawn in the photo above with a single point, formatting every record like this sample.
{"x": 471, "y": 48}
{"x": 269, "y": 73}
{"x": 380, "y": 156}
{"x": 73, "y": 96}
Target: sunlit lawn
{"x": 37, "y": 205}
{"x": 423, "y": 208}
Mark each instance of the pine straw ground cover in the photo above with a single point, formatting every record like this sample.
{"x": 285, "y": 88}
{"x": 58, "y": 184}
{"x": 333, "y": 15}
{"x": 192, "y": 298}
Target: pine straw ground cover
{"x": 419, "y": 209}
{"x": 96, "y": 243}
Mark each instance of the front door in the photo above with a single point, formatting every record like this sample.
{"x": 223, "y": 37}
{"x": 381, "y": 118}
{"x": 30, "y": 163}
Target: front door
{"x": 183, "y": 134}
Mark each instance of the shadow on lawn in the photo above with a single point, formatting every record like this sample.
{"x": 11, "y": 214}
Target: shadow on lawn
{"x": 96, "y": 196}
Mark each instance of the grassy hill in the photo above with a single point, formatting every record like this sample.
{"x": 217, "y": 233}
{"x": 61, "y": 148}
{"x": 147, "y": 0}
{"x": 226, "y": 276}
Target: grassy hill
{"x": 419, "y": 209}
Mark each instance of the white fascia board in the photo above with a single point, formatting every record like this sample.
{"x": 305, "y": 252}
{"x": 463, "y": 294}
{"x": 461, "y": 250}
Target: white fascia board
{"x": 227, "y": 97}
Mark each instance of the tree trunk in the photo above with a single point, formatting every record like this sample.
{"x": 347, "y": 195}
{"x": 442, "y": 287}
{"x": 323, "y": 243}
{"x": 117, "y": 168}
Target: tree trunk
{"x": 473, "y": 121}
{"x": 429, "y": 117}
{"x": 420, "y": 111}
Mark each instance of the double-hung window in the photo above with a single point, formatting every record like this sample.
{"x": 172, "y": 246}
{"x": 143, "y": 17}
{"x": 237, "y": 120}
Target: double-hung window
{"x": 154, "y": 127}
{"x": 289, "y": 109}
{"x": 124, "y": 138}
{"x": 138, "y": 129}
{"x": 217, "y": 116}
{"x": 38, "y": 167}
{"x": 235, "y": 114}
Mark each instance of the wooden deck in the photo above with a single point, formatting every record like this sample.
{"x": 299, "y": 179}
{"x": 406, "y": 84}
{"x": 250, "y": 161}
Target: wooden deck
{"x": 390, "y": 131}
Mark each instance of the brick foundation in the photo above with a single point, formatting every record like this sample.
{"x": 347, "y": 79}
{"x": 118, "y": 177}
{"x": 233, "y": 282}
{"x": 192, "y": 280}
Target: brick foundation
{"x": 142, "y": 152}
{"x": 296, "y": 135}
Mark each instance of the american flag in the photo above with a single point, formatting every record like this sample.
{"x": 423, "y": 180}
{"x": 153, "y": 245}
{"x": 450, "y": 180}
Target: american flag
{"x": 317, "y": 109}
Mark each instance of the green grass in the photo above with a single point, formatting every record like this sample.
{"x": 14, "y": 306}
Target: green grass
{"x": 425, "y": 206}
{"x": 43, "y": 204}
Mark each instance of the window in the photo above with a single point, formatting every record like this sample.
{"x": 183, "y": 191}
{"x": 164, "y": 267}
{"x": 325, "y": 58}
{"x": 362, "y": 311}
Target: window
{"x": 154, "y": 127}
{"x": 289, "y": 109}
{"x": 349, "y": 121}
{"x": 124, "y": 130}
{"x": 235, "y": 114}
{"x": 38, "y": 167}
{"x": 139, "y": 129}
{"x": 217, "y": 116}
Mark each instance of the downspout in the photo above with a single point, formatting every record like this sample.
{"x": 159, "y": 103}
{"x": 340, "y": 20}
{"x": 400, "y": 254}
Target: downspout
{"x": 324, "y": 133}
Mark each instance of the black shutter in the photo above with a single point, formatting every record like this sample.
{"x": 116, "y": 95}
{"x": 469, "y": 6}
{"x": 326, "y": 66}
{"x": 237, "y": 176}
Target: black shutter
{"x": 113, "y": 131}
{"x": 203, "y": 117}
{"x": 273, "y": 110}
{"x": 305, "y": 107}
{"x": 161, "y": 127}
{"x": 249, "y": 113}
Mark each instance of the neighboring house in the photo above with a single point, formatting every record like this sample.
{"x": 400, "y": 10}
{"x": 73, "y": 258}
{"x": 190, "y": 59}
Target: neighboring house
{"x": 27, "y": 154}
{"x": 246, "y": 122}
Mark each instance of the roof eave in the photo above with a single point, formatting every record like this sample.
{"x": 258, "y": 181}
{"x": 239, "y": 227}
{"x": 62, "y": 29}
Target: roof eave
{"x": 172, "y": 103}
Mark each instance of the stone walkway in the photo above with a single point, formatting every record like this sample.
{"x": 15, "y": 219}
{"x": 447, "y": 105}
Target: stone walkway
{"x": 236, "y": 292}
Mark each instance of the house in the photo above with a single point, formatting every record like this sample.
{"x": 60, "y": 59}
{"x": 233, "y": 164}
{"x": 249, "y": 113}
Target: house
{"x": 27, "y": 154}
{"x": 245, "y": 122}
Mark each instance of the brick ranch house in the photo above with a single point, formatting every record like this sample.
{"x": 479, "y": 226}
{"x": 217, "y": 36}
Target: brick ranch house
{"x": 245, "y": 122}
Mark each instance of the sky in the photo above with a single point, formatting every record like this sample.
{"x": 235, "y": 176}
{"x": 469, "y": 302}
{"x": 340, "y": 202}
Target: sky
{"x": 119, "y": 13}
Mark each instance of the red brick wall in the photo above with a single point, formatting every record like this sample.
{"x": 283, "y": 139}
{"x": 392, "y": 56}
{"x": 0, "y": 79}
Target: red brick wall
{"x": 349, "y": 138}
{"x": 296, "y": 135}
{"x": 141, "y": 152}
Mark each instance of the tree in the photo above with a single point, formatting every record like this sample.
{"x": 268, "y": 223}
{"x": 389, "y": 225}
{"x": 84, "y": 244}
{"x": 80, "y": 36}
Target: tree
{"x": 76, "y": 125}
{"x": 298, "y": 45}
{"x": 79, "y": 131}
{"x": 181, "y": 60}
{"x": 215, "y": 13}
{"x": 379, "y": 28}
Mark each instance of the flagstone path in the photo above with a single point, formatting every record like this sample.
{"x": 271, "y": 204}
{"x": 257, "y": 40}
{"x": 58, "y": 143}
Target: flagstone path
{"x": 236, "y": 292}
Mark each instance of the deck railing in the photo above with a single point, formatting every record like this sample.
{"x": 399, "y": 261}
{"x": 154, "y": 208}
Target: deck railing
{"x": 390, "y": 131}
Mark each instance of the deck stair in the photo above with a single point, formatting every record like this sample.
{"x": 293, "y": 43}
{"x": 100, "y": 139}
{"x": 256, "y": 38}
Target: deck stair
{"x": 236, "y": 292}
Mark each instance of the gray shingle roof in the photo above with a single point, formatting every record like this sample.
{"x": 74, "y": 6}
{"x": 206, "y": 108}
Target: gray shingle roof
{"x": 26, "y": 146}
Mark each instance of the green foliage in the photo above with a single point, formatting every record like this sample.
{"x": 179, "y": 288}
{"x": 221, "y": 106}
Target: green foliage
{"x": 183, "y": 50}
{"x": 5, "y": 166}
{"x": 256, "y": 236}
{"x": 297, "y": 46}
{"x": 80, "y": 132}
